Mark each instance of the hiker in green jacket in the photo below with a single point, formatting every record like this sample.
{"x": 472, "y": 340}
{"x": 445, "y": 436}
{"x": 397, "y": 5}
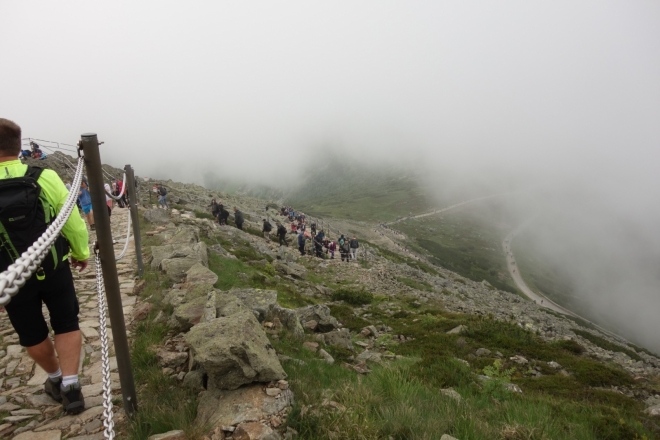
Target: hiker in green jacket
{"x": 52, "y": 284}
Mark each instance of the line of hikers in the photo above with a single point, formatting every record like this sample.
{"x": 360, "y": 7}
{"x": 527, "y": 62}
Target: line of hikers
{"x": 221, "y": 215}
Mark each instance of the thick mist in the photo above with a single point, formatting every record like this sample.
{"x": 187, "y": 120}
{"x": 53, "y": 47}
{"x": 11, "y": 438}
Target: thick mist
{"x": 560, "y": 98}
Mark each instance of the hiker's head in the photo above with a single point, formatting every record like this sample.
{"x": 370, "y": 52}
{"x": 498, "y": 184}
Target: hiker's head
{"x": 10, "y": 138}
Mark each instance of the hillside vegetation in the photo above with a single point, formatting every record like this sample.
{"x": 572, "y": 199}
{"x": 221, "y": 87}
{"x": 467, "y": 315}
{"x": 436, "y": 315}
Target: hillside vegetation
{"x": 357, "y": 192}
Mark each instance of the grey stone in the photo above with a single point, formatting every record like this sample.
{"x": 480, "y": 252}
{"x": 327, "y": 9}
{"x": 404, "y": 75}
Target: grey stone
{"x": 194, "y": 379}
{"x": 188, "y": 314}
{"x": 246, "y": 404}
{"x": 482, "y": 352}
{"x": 653, "y": 411}
{"x": 450, "y": 392}
{"x": 170, "y": 435}
{"x": 457, "y": 330}
{"x": 257, "y": 299}
{"x": 200, "y": 274}
{"x": 369, "y": 356}
{"x": 513, "y": 388}
{"x": 176, "y": 268}
{"x": 326, "y": 356}
{"x": 171, "y": 359}
{"x": 195, "y": 251}
{"x": 341, "y": 338}
{"x": 290, "y": 268}
{"x": 234, "y": 350}
{"x": 447, "y": 437}
{"x": 159, "y": 216}
{"x": 319, "y": 313}
{"x": 288, "y": 318}
{"x": 55, "y": 434}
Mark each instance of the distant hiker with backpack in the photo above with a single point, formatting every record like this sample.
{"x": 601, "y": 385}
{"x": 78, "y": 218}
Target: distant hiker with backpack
{"x": 162, "y": 197}
{"x": 30, "y": 198}
{"x": 343, "y": 247}
{"x": 215, "y": 210}
{"x": 267, "y": 227}
{"x": 85, "y": 200}
{"x": 354, "y": 245}
{"x": 332, "y": 247}
{"x": 318, "y": 244}
{"x": 238, "y": 218}
{"x": 301, "y": 242}
{"x": 224, "y": 214}
{"x": 281, "y": 234}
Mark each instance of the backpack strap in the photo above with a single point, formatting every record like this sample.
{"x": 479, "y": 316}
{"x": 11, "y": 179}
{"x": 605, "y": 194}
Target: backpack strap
{"x": 34, "y": 172}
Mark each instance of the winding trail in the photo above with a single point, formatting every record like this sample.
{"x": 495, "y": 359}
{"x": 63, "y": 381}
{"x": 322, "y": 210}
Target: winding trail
{"x": 514, "y": 271}
{"x": 448, "y": 208}
{"x": 538, "y": 298}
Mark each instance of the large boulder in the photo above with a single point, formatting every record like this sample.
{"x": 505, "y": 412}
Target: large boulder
{"x": 246, "y": 404}
{"x": 234, "y": 350}
{"x": 189, "y": 293}
{"x": 319, "y": 313}
{"x": 160, "y": 216}
{"x": 196, "y": 251}
{"x": 184, "y": 234}
{"x": 200, "y": 274}
{"x": 188, "y": 314}
{"x": 290, "y": 268}
{"x": 176, "y": 268}
{"x": 257, "y": 300}
{"x": 341, "y": 338}
{"x": 288, "y": 318}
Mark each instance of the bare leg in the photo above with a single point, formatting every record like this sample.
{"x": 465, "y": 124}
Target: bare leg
{"x": 68, "y": 350}
{"x": 90, "y": 218}
{"x": 44, "y": 355}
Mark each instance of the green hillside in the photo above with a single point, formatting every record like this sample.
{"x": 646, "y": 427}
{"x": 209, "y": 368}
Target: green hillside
{"x": 358, "y": 193}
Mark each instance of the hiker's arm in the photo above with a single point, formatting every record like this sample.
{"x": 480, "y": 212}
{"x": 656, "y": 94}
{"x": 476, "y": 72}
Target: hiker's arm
{"x": 74, "y": 229}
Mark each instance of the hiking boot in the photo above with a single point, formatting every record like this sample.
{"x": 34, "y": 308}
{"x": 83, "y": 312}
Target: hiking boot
{"x": 53, "y": 389}
{"x": 72, "y": 398}
{"x": 92, "y": 227}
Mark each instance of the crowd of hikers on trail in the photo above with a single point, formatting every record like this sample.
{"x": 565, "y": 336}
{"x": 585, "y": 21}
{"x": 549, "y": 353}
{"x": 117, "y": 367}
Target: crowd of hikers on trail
{"x": 322, "y": 245}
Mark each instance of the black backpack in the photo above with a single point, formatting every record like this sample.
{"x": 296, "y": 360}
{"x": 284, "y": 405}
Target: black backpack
{"x": 24, "y": 216}
{"x": 268, "y": 227}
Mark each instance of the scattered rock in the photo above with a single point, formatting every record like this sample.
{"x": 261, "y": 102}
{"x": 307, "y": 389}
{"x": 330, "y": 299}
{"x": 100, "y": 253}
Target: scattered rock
{"x": 194, "y": 379}
{"x": 257, "y": 300}
{"x": 319, "y": 313}
{"x": 157, "y": 216}
{"x": 326, "y": 356}
{"x": 254, "y": 431}
{"x": 55, "y": 434}
{"x": 555, "y": 365}
{"x": 513, "y": 388}
{"x": 246, "y": 404}
{"x": 447, "y": 437}
{"x": 450, "y": 392}
{"x": 482, "y": 352}
{"x": 369, "y": 356}
{"x": 287, "y": 317}
{"x": 200, "y": 274}
{"x": 653, "y": 411}
{"x": 457, "y": 330}
{"x": 341, "y": 338}
{"x": 142, "y": 311}
{"x": 171, "y": 435}
{"x": 312, "y": 346}
{"x": 519, "y": 360}
{"x": 234, "y": 351}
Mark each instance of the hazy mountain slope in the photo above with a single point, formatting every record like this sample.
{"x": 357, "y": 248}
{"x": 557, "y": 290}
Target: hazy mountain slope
{"x": 358, "y": 192}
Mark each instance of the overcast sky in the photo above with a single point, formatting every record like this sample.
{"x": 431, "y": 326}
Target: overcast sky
{"x": 562, "y": 94}
{"x": 525, "y": 84}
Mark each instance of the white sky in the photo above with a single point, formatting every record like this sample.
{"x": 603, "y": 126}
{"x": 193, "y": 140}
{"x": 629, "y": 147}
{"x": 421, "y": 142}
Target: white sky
{"x": 519, "y": 83}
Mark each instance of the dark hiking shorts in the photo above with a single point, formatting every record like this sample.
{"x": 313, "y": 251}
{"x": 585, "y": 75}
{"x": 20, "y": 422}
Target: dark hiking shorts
{"x": 59, "y": 295}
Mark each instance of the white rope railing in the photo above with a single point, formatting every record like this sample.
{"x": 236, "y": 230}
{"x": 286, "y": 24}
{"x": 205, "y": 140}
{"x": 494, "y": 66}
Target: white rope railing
{"x": 17, "y": 274}
{"x": 108, "y": 423}
{"x": 123, "y": 189}
{"x": 128, "y": 236}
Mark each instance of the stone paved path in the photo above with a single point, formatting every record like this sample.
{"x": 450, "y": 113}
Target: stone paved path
{"x": 26, "y": 413}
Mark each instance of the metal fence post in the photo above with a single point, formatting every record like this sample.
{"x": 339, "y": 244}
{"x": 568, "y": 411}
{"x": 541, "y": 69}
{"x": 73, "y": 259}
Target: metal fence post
{"x": 90, "y": 146}
{"x": 133, "y": 204}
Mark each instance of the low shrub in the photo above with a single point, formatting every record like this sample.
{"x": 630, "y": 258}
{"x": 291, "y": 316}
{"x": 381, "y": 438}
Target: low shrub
{"x": 354, "y": 297}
